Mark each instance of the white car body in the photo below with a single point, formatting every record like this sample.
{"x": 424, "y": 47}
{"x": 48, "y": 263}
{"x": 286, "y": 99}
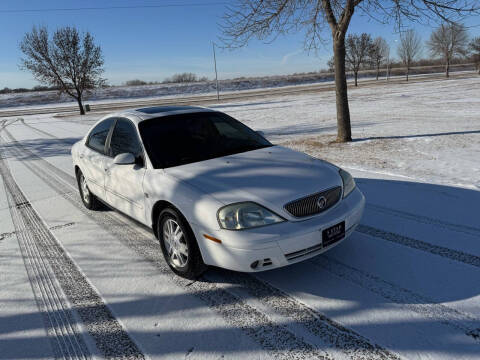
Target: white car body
{"x": 271, "y": 177}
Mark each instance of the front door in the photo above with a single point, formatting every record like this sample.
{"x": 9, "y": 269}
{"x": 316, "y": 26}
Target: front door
{"x": 124, "y": 183}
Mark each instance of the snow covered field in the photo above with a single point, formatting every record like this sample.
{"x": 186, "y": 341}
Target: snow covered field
{"x": 163, "y": 90}
{"x": 406, "y": 284}
{"x": 166, "y": 91}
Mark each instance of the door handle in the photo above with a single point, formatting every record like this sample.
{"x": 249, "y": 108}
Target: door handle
{"x": 80, "y": 156}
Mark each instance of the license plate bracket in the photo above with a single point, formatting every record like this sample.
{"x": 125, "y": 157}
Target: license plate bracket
{"x": 333, "y": 234}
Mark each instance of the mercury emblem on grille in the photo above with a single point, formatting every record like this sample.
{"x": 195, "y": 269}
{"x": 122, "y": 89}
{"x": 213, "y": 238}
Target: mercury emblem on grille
{"x": 321, "y": 202}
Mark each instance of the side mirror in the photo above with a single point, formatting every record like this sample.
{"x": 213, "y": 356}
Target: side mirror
{"x": 124, "y": 159}
{"x": 261, "y": 133}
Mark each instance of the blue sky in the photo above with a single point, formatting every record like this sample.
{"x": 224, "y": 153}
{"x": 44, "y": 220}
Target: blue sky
{"x": 151, "y": 44}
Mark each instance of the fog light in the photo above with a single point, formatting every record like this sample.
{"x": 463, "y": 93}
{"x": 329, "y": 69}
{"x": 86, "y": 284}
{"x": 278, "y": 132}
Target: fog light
{"x": 254, "y": 264}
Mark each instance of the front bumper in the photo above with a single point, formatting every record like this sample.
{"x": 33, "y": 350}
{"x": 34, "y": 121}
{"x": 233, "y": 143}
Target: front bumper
{"x": 280, "y": 244}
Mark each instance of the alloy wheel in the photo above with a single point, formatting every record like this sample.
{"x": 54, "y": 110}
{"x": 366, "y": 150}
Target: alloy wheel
{"x": 85, "y": 191}
{"x": 175, "y": 243}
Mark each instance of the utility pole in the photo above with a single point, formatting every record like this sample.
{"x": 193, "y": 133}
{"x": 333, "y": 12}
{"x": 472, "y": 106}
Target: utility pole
{"x": 388, "y": 68}
{"x": 216, "y": 75}
{"x": 388, "y": 64}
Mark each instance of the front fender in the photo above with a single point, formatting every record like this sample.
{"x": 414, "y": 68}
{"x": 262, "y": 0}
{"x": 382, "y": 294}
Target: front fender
{"x": 196, "y": 206}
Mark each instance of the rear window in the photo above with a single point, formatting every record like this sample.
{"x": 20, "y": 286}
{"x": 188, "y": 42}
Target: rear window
{"x": 186, "y": 138}
{"x": 98, "y": 135}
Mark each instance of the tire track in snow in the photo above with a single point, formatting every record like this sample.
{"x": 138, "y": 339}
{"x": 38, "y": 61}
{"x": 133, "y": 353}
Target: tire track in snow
{"x": 6, "y": 235}
{"x": 344, "y": 339}
{"x": 425, "y": 220}
{"x": 37, "y": 130}
{"x": 59, "y": 285}
{"x": 5, "y": 123}
{"x": 407, "y": 298}
{"x": 60, "y": 324}
{"x": 251, "y": 320}
{"x": 88, "y": 122}
{"x": 444, "y": 252}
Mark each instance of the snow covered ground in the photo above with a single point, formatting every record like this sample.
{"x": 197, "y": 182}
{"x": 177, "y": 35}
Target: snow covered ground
{"x": 406, "y": 284}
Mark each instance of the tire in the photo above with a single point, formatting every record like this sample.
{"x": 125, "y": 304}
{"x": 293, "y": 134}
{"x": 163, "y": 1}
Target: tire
{"x": 89, "y": 200}
{"x": 180, "y": 251}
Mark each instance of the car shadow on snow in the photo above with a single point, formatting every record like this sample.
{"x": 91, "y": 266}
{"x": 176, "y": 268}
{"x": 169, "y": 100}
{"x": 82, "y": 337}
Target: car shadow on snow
{"x": 42, "y": 147}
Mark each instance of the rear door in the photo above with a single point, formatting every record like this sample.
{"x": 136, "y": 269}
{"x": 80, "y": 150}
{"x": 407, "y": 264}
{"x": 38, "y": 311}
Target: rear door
{"x": 124, "y": 183}
{"x": 94, "y": 157}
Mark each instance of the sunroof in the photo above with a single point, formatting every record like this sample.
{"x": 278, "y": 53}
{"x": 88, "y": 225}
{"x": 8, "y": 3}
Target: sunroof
{"x": 160, "y": 109}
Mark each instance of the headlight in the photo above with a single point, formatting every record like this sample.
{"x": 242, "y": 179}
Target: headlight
{"x": 348, "y": 182}
{"x": 246, "y": 215}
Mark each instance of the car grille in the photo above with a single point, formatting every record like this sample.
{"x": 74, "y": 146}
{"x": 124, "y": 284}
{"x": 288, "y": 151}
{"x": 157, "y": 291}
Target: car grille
{"x": 308, "y": 206}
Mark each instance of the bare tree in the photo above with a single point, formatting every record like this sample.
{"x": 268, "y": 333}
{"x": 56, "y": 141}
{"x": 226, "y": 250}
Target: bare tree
{"x": 474, "y": 48}
{"x": 331, "y": 64}
{"x": 447, "y": 41}
{"x": 409, "y": 49}
{"x": 135, "y": 82}
{"x": 267, "y": 19}
{"x": 184, "y": 78}
{"x": 357, "y": 51}
{"x": 379, "y": 52}
{"x": 72, "y": 64}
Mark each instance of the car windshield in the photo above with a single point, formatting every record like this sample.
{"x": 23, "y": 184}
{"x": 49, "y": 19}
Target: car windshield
{"x": 186, "y": 138}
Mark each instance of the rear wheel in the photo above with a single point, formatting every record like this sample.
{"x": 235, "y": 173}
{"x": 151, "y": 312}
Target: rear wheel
{"x": 179, "y": 246}
{"x": 89, "y": 200}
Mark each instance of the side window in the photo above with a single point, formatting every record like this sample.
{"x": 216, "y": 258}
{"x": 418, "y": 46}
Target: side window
{"x": 99, "y": 134}
{"x": 124, "y": 139}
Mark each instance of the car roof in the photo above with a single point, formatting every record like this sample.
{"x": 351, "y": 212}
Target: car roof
{"x": 146, "y": 113}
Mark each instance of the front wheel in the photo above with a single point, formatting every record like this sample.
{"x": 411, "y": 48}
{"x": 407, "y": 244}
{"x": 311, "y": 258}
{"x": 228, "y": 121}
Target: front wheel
{"x": 179, "y": 246}
{"x": 88, "y": 199}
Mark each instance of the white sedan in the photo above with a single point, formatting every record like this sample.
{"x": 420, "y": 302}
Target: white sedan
{"x": 214, "y": 191}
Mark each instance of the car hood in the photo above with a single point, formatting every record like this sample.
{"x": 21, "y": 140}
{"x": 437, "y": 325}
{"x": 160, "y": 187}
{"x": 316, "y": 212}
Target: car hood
{"x": 270, "y": 176}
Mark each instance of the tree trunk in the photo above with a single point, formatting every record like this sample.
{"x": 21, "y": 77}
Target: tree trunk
{"x": 408, "y": 70}
{"x": 344, "y": 131}
{"x": 80, "y": 105}
{"x": 447, "y": 69}
{"x": 378, "y": 70}
{"x": 356, "y": 77}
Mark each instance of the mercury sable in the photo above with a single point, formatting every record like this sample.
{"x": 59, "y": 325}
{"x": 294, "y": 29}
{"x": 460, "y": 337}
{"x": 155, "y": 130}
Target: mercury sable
{"x": 214, "y": 191}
